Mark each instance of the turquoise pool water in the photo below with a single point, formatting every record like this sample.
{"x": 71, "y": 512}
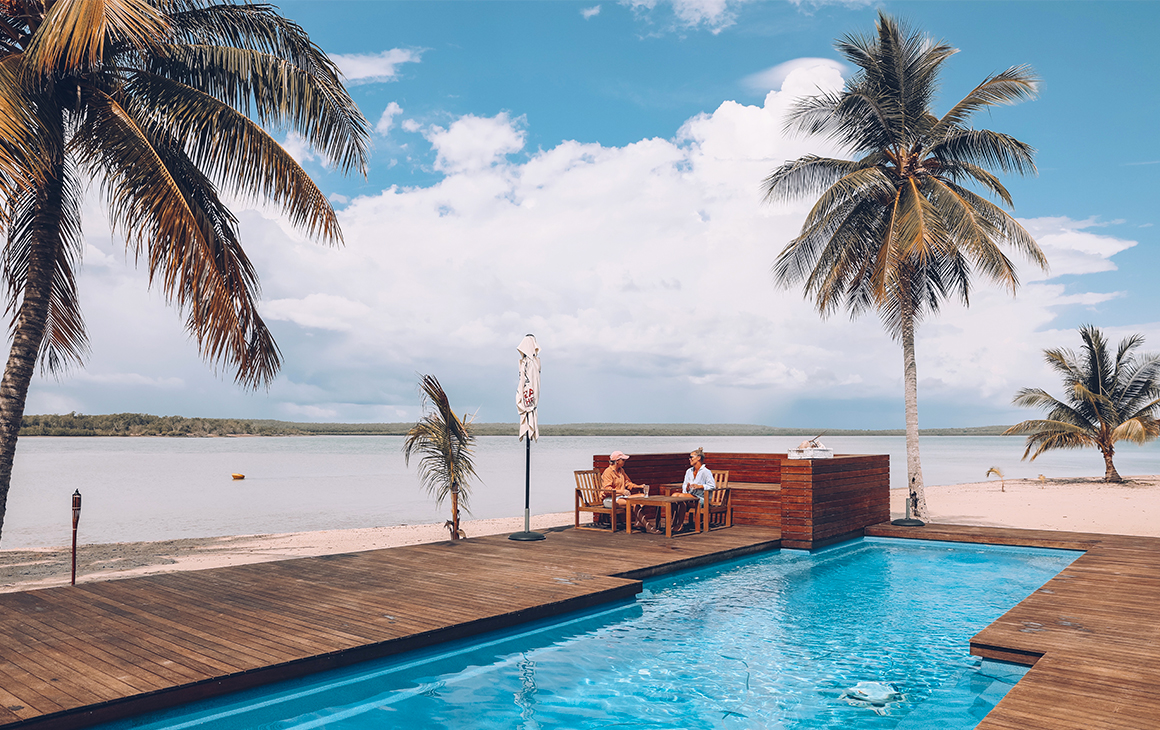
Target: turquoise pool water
{"x": 869, "y": 634}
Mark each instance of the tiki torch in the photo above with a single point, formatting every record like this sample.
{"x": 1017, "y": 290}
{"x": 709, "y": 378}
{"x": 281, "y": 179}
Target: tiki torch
{"x": 76, "y": 519}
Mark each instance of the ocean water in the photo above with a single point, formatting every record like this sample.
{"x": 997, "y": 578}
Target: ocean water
{"x": 160, "y": 489}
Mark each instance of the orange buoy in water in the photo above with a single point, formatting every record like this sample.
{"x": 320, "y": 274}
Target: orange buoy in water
{"x": 238, "y": 476}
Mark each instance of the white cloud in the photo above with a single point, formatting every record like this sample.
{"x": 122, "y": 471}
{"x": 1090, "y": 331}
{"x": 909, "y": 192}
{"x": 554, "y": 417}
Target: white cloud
{"x": 772, "y": 78}
{"x": 388, "y": 118}
{"x": 713, "y": 15}
{"x": 474, "y": 143}
{"x": 591, "y": 12}
{"x": 410, "y": 125}
{"x": 642, "y": 269}
{"x": 321, "y": 311}
{"x": 1071, "y": 248}
{"x": 369, "y": 68}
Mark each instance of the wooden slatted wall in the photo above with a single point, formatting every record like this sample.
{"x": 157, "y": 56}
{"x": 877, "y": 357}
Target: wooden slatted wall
{"x": 827, "y": 500}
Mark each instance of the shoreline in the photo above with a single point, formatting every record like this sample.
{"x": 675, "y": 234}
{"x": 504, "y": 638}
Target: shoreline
{"x": 1071, "y": 504}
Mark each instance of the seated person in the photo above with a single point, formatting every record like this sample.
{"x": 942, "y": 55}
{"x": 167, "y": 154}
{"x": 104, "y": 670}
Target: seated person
{"x": 615, "y": 484}
{"x": 698, "y": 478}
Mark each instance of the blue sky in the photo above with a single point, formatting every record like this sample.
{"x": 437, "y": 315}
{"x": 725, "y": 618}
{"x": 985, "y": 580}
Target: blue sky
{"x": 589, "y": 172}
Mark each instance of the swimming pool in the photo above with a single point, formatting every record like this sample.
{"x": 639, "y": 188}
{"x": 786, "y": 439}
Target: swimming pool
{"x": 857, "y": 636}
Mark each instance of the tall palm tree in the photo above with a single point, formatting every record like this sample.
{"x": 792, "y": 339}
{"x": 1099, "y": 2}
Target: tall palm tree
{"x": 894, "y": 229}
{"x": 165, "y": 104}
{"x": 443, "y": 441}
{"x": 1104, "y": 402}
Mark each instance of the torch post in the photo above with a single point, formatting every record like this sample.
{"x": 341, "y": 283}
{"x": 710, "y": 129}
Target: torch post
{"x": 76, "y": 507}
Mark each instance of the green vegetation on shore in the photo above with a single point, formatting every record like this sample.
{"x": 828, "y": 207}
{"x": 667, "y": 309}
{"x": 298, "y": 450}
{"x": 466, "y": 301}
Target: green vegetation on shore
{"x": 140, "y": 424}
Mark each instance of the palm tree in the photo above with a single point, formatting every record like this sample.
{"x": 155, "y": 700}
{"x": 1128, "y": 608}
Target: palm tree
{"x": 894, "y": 229}
{"x": 165, "y": 104}
{"x": 444, "y": 441}
{"x": 1104, "y": 402}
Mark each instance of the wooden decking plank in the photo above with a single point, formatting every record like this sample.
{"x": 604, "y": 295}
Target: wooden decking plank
{"x": 203, "y": 615}
{"x": 192, "y": 632}
{"x": 114, "y": 653}
{"x": 166, "y": 629}
{"x": 29, "y": 691}
{"x": 252, "y": 625}
{"x": 159, "y": 646}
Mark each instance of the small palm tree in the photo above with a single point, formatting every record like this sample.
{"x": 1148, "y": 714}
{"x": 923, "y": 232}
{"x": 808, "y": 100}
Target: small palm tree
{"x": 996, "y": 471}
{"x": 1105, "y": 401}
{"x": 896, "y": 230}
{"x": 444, "y": 442}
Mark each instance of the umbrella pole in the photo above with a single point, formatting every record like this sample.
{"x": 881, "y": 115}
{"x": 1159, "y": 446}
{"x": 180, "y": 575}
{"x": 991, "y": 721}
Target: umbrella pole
{"x": 527, "y": 534}
{"x": 528, "y": 484}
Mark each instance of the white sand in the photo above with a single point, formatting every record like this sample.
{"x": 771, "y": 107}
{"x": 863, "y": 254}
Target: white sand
{"x": 1082, "y": 505}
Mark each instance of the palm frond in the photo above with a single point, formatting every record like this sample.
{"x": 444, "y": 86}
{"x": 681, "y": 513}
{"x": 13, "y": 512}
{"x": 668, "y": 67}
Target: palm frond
{"x": 1016, "y": 84}
{"x": 959, "y": 171}
{"x": 168, "y": 209}
{"x": 987, "y": 149}
{"x": 309, "y": 100}
{"x": 807, "y": 175}
{"x": 234, "y": 150}
{"x": 75, "y": 34}
{"x": 46, "y": 228}
{"x": 1138, "y": 430}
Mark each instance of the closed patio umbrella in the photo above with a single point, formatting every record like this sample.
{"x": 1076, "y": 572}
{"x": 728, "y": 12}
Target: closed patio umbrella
{"x": 527, "y": 402}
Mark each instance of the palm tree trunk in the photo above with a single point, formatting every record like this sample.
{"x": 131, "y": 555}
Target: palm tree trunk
{"x": 916, "y": 498}
{"x": 454, "y": 511}
{"x": 31, "y": 321}
{"x": 1110, "y": 473}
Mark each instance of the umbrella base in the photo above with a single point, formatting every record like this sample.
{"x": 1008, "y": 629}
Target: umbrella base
{"x": 526, "y": 536}
{"x": 908, "y": 522}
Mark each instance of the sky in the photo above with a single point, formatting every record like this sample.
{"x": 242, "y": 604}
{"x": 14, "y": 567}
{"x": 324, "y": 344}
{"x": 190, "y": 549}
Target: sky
{"x": 589, "y": 173}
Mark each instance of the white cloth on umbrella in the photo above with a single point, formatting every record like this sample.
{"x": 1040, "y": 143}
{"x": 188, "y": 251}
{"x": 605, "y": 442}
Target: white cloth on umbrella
{"x": 528, "y": 394}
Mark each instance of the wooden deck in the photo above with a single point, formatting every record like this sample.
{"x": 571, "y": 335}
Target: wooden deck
{"x": 74, "y": 656}
{"x": 1091, "y": 634}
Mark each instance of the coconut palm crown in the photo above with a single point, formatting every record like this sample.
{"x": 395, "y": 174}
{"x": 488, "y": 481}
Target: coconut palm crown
{"x": 897, "y": 229}
{"x": 443, "y": 441}
{"x": 167, "y": 107}
{"x": 1105, "y": 401}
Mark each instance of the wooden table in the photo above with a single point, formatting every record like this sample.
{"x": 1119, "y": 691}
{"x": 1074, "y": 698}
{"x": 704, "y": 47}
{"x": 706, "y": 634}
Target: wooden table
{"x": 660, "y": 501}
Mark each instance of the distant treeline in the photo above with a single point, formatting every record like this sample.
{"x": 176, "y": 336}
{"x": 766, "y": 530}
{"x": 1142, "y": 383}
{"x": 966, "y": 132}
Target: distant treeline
{"x": 141, "y": 424}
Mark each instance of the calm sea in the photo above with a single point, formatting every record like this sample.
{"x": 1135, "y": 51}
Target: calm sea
{"x": 160, "y": 489}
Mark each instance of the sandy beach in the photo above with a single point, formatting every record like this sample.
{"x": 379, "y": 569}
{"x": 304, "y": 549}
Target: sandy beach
{"x": 1083, "y": 505}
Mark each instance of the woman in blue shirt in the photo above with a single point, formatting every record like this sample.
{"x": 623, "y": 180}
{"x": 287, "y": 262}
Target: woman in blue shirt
{"x": 698, "y": 478}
